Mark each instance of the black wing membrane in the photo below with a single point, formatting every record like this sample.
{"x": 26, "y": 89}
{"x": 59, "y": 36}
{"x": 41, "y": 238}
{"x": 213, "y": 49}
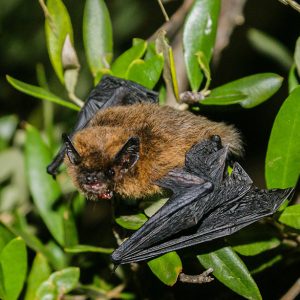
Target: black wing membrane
{"x": 206, "y": 200}
{"x": 110, "y": 91}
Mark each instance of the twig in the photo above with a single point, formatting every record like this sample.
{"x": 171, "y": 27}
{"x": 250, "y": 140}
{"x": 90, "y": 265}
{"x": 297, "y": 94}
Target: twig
{"x": 163, "y": 10}
{"x": 292, "y": 4}
{"x": 231, "y": 15}
{"x": 115, "y": 292}
{"x": 199, "y": 279}
{"x": 293, "y": 292}
{"x": 175, "y": 22}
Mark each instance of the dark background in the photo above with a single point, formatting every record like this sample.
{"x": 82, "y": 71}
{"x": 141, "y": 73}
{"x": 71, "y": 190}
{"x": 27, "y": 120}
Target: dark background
{"x": 22, "y": 46}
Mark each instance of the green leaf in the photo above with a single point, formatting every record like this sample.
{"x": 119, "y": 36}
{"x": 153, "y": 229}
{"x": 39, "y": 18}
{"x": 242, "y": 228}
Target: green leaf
{"x": 133, "y": 222}
{"x": 297, "y": 55}
{"x": 40, "y": 271}
{"x": 169, "y": 71}
{"x": 153, "y": 208}
{"x": 58, "y": 284}
{"x": 5, "y": 236}
{"x": 283, "y": 155}
{"x": 35, "y": 244}
{"x": 267, "y": 264}
{"x": 70, "y": 230}
{"x": 231, "y": 271}
{"x": 233, "y": 97}
{"x": 13, "y": 260}
{"x": 146, "y": 73}
{"x": 166, "y": 267}
{"x": 122, "y": 63}
{"x": 57, "y": 27}
{"x": 254, "y": 240}
{"x": 8, "y": 125}
{"x": 97, "y": 35}
{"x": 45, "y": 191}
{"x": 87, "y": 248}
{"x": 39, "y": 92}
{"x": 257, "y": 89}
{"x": 292, "y": 79}
{"x": 270, "y": 47}
{"x": 291, "y": 216}
{"x": 204, "y": 65}
{"x": 199, "y": 34}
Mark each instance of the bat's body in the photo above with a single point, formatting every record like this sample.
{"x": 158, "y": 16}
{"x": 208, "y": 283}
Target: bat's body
{"x": 165, "y": 135}
{"x": 123, "y": 142}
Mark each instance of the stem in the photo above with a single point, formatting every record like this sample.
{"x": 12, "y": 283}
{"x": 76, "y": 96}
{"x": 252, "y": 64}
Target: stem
{"x": 163, "y": 10}
{"x": 293, "y": 292}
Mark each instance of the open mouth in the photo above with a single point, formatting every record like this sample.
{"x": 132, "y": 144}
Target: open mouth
{"x": 98, "y": 189}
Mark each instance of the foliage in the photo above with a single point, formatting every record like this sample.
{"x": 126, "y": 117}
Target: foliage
{"x": 55, "y": 204}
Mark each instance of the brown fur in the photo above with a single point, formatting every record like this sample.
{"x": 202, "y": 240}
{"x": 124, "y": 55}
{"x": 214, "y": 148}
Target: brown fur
{"x": 165, "y": 134}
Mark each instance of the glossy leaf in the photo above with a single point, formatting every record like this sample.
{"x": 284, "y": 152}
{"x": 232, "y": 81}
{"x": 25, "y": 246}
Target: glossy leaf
{"x": 231, "y": 271}
{"x": 38, "y": 92}
{"x": 153, "y": 208}
{"x": 58, "y": 284}
{"x": 204, "y": 65}
{"x": 70, "y": 230}
{"x": 270, "y": 47}
{"x": 146, "y": 73}
{"x": 40, "y": 271}
{"x": 57, "y": 27}
{"x": 5, "y": 236}
{"x": 233, "y": 97}
{"x": 169, "y": 71}
{"x": 13, "y": 260}
{"x": 35, "y": 244}
{"x": 71, "y": 67}
{"x": 8, "y": 125}
{"x": 87, "y": 248}
{"x": 283, "y": 155}
{"x": 257, "y": 89}
{"x": 292, "y": 79}
{"x": 133, "y": 222}
{"x": 45, "y": 191}
{"x": 121, "y": 64}
{"x": 267, "y": 264}
{"x": 166, "y": 267}
{"x": 291, "y": 216}
{"x": 254, "y": 240}
{"x": 97, "y": 35}
{"x": 199, "y": 35}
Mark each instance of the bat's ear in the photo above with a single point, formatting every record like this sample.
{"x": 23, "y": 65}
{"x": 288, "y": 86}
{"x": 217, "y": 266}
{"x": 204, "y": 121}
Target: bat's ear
{"x": 128, "y": 156}
{"x": 71, "y": 151}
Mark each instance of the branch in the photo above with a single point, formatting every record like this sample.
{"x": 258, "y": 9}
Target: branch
{"x": 175, "y": 22}
{"x": 199, "y": 279}
{"x": 293, "y": 292}
{"x": 292, "y": 4}
{"x": 231, "y": 16}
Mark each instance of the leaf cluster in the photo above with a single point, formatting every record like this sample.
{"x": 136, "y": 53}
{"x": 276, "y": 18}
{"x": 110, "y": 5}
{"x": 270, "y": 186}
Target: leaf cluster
{"x": 59, "y": 259}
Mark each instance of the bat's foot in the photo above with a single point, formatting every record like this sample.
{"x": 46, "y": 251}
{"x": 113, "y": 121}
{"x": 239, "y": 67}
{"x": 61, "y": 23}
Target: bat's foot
{"x": 199, "y": 279}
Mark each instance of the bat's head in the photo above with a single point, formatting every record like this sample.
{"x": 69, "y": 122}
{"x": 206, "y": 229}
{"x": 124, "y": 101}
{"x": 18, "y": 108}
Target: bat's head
{"x": 97, "y": 167}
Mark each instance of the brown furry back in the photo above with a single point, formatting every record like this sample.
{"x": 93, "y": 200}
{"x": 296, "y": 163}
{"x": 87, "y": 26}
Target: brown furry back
{"x": 165, "y": 134}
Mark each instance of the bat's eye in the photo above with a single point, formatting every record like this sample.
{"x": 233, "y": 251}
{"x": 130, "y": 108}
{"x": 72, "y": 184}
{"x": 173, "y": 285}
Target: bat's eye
{"x": 110, "y": 172}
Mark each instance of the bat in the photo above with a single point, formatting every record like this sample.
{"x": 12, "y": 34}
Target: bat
{"x": 123, "y": 142}
{"x": 207, "y": 203}
{"x": 110, "y": 91}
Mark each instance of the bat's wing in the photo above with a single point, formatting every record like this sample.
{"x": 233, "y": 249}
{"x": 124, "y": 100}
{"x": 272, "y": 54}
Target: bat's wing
{"x": 190, "y": 199}
{"x": 110, "y": 91}
{"x": 222, "y": 221}
{"x": 230, "y": 205}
